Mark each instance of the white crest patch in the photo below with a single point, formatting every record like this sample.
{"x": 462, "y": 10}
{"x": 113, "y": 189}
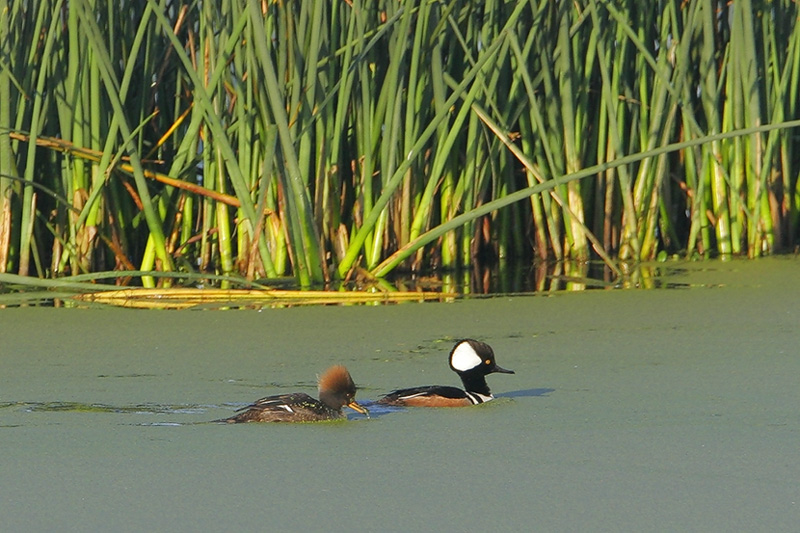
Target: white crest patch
{"x": 464, "y": 357}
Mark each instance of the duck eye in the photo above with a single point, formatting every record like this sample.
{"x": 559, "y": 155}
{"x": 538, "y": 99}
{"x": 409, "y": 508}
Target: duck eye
{"x": 488, "y": 361}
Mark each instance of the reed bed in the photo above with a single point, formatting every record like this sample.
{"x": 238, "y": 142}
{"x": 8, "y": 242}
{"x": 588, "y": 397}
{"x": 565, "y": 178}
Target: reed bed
{"x": 261, "y": 139}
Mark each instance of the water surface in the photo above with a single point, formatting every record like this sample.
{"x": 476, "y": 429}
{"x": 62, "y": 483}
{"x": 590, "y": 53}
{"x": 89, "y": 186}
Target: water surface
{"x": 660, "y": 410}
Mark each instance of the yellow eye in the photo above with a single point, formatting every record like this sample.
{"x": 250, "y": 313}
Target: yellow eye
{"x": 488, "y": 361}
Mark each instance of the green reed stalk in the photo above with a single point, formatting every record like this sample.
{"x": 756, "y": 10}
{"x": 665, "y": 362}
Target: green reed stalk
{"x": 448, "y": 135}
{"x": 391, "y": 186}
{"x": 334, "y": 116}
{"x": 782, "y": 91}
{"x": 307, "y": 253}
{"x": 532, "y": 127}
{"x": 630, "y": 237}
{"x": 90, "y": 211}
{"x": 202, "y": 100}
{"x": 8, "y": 168}
{"x": 658, "y": 117}
{"x": 40, "y": 100}
{"x": 111, "y": 85}
{"x": 739, "y": 84}
{"x": 351, "y": 133}
{"x": 388, "y": 264}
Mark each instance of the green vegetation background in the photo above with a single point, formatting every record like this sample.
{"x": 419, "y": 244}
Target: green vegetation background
{"x": 264, "y": 138}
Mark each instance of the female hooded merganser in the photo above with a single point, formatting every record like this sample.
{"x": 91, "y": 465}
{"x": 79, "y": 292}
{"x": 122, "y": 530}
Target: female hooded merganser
{"x": 336, "y": 390}
{"x": 472, "y": 360}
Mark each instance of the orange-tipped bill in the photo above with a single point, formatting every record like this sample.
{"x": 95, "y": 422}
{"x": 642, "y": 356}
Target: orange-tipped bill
{"x": 355, "y": 407}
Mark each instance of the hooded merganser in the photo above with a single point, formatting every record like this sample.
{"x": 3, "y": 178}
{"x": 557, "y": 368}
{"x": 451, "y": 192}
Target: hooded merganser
{"x": 336, "y": 390}
{"x": 472, "y": 360}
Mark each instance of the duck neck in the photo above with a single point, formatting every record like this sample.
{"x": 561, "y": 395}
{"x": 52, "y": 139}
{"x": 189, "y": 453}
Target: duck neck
{"x": 475, "y": 383}
{"x": 330, "y": 401}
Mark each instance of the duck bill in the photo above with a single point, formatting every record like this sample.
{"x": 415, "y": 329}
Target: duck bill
{"x": 355, "y": 407}
{"x": 501, "y": 370}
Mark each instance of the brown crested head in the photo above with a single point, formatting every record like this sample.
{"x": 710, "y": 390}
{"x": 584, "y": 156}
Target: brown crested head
{"x": 337, "y": 379}
{"x": 337, "y": 389}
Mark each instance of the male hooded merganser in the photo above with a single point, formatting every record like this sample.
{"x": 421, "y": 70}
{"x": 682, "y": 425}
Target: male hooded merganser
{"x": 472, "y": 360}
{"x": 336, "y": 390}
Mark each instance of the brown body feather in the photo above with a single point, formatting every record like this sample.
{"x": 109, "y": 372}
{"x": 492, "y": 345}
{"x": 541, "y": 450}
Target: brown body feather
{"x": 336, "y": 390}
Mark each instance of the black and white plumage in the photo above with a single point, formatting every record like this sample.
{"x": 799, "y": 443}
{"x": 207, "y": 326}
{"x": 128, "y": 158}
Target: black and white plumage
{"x": 472, "y": 360}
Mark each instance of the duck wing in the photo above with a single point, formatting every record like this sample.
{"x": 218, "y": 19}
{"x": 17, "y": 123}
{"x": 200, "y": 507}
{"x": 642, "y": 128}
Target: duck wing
{"x": 427, "y": 396}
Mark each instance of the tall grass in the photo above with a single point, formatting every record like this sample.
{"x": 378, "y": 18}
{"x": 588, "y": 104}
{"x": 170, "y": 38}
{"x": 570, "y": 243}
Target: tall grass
{"x": 264, "y": 139}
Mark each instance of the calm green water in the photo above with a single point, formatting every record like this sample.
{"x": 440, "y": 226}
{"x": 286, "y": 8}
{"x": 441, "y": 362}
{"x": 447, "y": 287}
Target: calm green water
{"x": 661, "y": 410}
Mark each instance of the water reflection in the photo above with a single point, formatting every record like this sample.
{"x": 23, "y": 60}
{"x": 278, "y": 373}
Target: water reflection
{"x": 376, "y": 410}
{"x": 479, "y": 280}
{"x": 148, "y": 409}
{"x": 525, "y": 393}
{"x": 77, "y": 407}
{"x": 543, "y": 277}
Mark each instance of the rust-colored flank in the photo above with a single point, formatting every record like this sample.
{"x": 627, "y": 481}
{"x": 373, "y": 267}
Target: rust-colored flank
{"x": 435, "y": 401}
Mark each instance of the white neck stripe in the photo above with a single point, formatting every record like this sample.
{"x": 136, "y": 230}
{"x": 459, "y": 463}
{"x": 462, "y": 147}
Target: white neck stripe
{"x": 477, "y": 398}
